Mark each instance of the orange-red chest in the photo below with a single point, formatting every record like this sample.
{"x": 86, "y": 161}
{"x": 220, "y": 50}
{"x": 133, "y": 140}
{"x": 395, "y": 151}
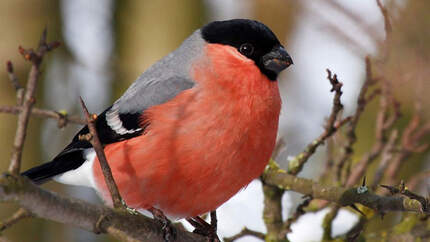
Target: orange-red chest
{"x": 203, "y": 146}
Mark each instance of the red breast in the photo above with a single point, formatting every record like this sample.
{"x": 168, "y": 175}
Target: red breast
{"x": 204, "y": 145}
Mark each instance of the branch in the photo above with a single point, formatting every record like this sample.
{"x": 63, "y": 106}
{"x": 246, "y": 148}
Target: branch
{"x": 296, "y": 165}
{"x": 96, "y": 218}
{"x": 16, "y": 217}
{"x": 354, "y": 233}
{"x": 386, "y": 157}
{"x": 93, "y": 138}
{"x": 299, "y": 212}
{"x": 350, "y": 130}
{"x": 340, "y": 195}
{"x": 387, "y": 22}
{"x": 272, "y": 213}
{"x": 14, "y": 80}
{"x": 63, "y": 118}
{"x": 245, "y": 232}
{"x": 327, "y": 224}
{"x": 418, "y": 178}
{"x": 29, "y": 99}
{"x": 384, "y": 122}
{"x": 411, "y": 142}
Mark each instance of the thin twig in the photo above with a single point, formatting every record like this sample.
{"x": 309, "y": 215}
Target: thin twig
{"x": 353, "y": 234}
{"x": 410, "y": 143}
{"x": 328, "y": 223}
{"x": 299, "y": 212}
{"x": 417, "y": 179}
{"x": 387, "y": 22}
{"x": 214, "y": 220}
{"x": 245, "y": 232}
{"x": 14, "y": 80}
{"x": 358, "y": 20}
{"x": 386, "y": 46}
{"x": 401, "y": 189}
{"x": 387, "y": 155}
{"x": 62, "y": 118}
{"x": 296, "y": 165}
{"x": 325, "y": 23}
{"x": 95, "y": 142}
{"x": 16, "y": 217}
{"x": 350, "y": 129}
{"x": 384, "y": 122}
{"x": 29, "y": 99}
{"x": 343, "y": 196}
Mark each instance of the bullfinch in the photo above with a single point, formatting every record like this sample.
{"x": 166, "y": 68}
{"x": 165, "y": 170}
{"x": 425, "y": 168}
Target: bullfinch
{"x": 192, "y": 130}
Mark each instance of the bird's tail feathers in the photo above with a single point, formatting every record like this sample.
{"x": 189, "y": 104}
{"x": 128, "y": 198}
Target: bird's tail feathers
{"x": 61, "y": 164}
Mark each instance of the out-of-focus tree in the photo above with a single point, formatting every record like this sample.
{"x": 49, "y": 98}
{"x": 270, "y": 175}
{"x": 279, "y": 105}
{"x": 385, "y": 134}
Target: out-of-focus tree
{"x": 148, "y": 30}
{"x": 398, "y": 150}
{"x": 22, "y": 22}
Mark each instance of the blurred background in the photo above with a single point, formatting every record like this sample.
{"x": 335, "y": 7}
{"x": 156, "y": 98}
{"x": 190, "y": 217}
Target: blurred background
{"x": 108, "y": 43}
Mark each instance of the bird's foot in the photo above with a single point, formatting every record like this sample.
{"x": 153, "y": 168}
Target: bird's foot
{"x": 169, "y": 233}
{"x": 130, "y": 210}
{"x": 204, "y": 228}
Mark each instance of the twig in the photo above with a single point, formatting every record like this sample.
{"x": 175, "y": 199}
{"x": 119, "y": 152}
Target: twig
{"x": 14, "y": 80}
{"x": 12, "y": 76}
{"x": 357, "y": 47}
{"x": 387, "y": 22}
{"x": 330, "y": 154}
{"x": 62, "y": 118}
{"x": 370, "y": 30}
{"x": 296, "y": 165}
{"x": 386, "y": 46}
{"x": 384, "y": 121}
{"x": 95, "y": 142}
{"x": 350, "y": 130}
{"x": 354, "y": 233}
{"x": 328, "y": 223}
{"x": 16, "y": 217}
{"x": 387, "y": 155}
{"x": 417, "y": 179}
{"x": 29, "y": 99}
{"x": 401, "y": 189}
{"x": 244, "y": 232}
{"x": 299, "y": 212}
{"x": 410, "y": 143}
{"x": 214, "y": 220}
{"x": 280, "y": 147}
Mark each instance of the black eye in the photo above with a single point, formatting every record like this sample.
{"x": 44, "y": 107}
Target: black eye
{"x": 246, "y": 49}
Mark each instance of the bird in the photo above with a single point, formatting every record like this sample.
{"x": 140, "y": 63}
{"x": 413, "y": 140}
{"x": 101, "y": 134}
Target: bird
{"x": 193, "y": 130}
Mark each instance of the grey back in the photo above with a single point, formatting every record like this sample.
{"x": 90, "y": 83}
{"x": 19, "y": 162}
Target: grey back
{"x": 163, "y": 80}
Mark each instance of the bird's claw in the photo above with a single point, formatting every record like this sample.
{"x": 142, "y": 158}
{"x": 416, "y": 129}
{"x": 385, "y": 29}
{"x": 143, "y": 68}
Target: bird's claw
{"x": 132, "y": 211}
{"x": 169, "y": 232}
{"x": 128, "y": 209}
{"x": 203, "y": 228}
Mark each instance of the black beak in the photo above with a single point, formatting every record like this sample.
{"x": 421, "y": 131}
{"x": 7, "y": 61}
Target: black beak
{"x": 277, "y": 59}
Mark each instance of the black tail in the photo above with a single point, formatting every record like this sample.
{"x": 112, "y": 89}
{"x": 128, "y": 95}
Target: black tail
{"x": 63, "y": 163}
{"x": 72, "y": 156}
{"x": 40, "y": 174}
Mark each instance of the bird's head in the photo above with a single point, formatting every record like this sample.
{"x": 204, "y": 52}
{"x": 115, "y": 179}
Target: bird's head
{"x": 253, "y": 40}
